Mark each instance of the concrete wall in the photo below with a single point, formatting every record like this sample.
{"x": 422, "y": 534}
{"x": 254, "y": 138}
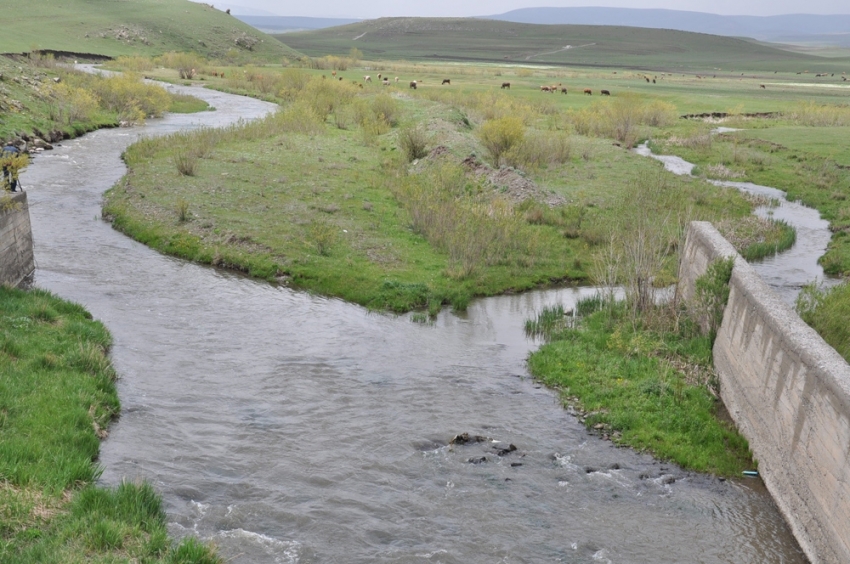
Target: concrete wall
{"x": 16, "y": 255}
{"x": 789, "y": 394}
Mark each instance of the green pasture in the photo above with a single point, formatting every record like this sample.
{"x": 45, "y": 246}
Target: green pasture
{"x": 149, "y": 27}
{"x": 452, "y": 39}
{"x": 256, "y": 203}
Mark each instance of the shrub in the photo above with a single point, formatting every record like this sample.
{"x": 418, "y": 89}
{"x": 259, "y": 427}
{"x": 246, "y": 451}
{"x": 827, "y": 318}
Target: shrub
{"x": 827, "y": 311}
{"x": 182, "y": 209}
{"x": 186, "y": 161}
{"x": 71, "y": 104}
{"x": 540, "y": 148}
{"x": 413, "y": 142}
{"x": 500, "y": 135}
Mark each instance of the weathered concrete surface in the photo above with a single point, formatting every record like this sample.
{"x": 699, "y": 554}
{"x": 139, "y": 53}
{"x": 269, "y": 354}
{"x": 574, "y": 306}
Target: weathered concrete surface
{"x": 789, "y": 393}
{"x": 16, "y": 254}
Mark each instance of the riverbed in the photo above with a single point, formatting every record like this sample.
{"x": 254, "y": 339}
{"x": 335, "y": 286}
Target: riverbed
{"x": 291, "y": 428}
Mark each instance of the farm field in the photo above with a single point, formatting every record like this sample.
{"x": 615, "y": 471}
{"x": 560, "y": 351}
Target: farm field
{"x": 447, "y": 39}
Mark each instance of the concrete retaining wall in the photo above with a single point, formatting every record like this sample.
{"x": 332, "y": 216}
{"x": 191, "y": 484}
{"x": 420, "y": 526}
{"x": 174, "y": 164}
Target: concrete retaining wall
{"x": 789, "y": 394}
{"x": 16, "y": 255}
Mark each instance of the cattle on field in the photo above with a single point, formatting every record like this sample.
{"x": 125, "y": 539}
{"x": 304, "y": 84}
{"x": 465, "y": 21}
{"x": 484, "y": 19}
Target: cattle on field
{"x": 333, "y": 73}
{"x": 544, "y": 89}
{"x": 588, "y": 91}
{"x": 413, "y": 84}
{"x": 367, "y": 78}
{"x": 605, "y": 92}
{"x": 396, "y": 80}
{"x": 340, "y": 78}
{"x": 386, "y": 82}
{"x": 379, "y": 76}
{"x": 506, "y": 85}
{"x": 762, "y": 86}
{"x": 563, "y": 90}
{"x": 446, "y": 81}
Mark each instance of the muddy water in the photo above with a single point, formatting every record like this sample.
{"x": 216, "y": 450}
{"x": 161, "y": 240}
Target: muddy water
{"x": 287, "y": 427}
{"x": 789, "y": 271}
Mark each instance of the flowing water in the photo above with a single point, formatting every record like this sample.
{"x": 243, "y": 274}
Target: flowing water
{"x": 786, "y": 272}
{"x": 287, "y": 427}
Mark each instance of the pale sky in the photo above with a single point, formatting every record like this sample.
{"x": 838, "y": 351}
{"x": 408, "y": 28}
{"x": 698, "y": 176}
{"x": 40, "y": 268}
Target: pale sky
{"x": 447, "y": 8}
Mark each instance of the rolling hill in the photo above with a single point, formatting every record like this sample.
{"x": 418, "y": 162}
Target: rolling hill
{"x": 465, "y": 39}
{"x": 145, "y": 27}
{"x": 790, "y": 28}
{"x": 281, "y": 24}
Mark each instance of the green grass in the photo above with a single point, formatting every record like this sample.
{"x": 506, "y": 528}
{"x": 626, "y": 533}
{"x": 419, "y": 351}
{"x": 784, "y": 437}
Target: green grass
{"x": 500, "y": 42}
{"x": 57, "y": 397}
{"x": 827, "y": 311}
{"x": 626, "y": 384}
{"x": 336, "y": 210}
{"x": 148, "y": 27}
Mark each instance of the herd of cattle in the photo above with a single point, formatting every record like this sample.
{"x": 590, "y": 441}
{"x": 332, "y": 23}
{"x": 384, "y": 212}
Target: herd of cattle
{"x": 414, "y": 84}
{"x": 551, "y": 89}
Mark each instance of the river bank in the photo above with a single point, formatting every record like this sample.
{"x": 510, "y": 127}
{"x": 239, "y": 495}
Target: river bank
{"x": 58, "y": 400}
{"x": 197, "y": 347}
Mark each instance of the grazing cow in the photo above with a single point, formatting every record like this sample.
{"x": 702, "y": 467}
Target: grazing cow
{"x": 396, "y": 80}
{"x": 413, "y": 84}
{"x": 508, "y": 85}
{"x": 653, "y": 81}
{"x": 762, "y": 86}
{"x": 333, "y": 73}
{"x": 340, "y": 78}
{"x": 563, "y": 90}
{"x": 227, "y": 11}
{"x": 544, "y": 89}
{"x": 588, "y": 91}
{"x": 446, "y": 81}
{"x": 647, "y": 79}
{"x": 386, "y": 82}
{"x": 605, "y": 92}
{"x": 367, "y": 78}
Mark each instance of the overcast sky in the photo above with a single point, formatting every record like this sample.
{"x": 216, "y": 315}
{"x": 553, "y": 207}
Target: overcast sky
{"x": 378, "y": 8}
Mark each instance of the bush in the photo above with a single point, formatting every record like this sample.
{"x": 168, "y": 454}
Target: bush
{"x": 500, "y": 135}
{"x": 186, "y": 161}
{"x": 413, "y": 142}
{"x": 540, "y": 148}
{"x": 71, "y": 104}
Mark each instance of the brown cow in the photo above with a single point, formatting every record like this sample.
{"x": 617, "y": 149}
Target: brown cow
{"x": 588, "y": 91}
{"x": 544, "y": 89}
{"x": 605, "y": 92}
{"x": 413, "y": 84}
{"x": 333, "y": 73}
{"x": 506, "y": 85}
{"x": 446, "y": 81}
{"x": 762, "y": 86}
{"x": 563, "y": 90}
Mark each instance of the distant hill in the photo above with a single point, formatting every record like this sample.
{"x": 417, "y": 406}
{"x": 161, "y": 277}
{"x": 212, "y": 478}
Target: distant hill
{"x": 793, "y": 28}
{"x": 145, "y": 27}
{"x": 465, "y": 39}
{"x": 282, "y": 24}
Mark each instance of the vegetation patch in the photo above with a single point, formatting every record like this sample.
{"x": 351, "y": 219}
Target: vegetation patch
{"x": 57, "y": 397}
{"x": 826, "y": 311}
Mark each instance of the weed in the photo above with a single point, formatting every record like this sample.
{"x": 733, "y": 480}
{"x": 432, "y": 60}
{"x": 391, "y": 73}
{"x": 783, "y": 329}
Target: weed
{"x": 323, "y": 234}
{"x": 182, "y": 209}
{"x": 186, "y": 161}
{"x": 500, "y": 135}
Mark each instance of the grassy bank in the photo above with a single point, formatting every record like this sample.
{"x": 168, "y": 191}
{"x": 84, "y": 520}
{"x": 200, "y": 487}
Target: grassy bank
{"x": 41, "y": 97}
{"x": 642, "y": 375}
{"x": 57, "y": 397}
{"x": 393, "y": 199}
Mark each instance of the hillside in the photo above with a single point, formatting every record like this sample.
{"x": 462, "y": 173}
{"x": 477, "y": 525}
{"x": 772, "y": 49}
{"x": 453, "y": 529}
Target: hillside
{"x": 281, "y": 24}
{"x": 802, "y": 28}
{"x": 145, "y": 27}
{"x": 462, "y": 39}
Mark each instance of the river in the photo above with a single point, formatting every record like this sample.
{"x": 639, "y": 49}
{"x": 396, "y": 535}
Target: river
{"x": 292, "y": 428}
